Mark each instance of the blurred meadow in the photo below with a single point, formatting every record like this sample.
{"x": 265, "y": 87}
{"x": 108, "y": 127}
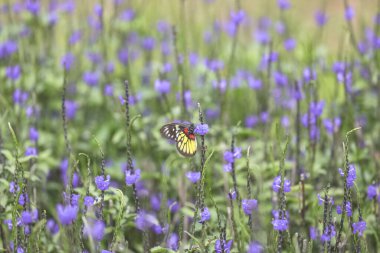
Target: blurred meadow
{"x": 284, "y": 96}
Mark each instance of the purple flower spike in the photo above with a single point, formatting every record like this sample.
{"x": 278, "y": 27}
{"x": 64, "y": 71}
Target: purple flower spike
{"x": 201, "y": 129}
{"x": 249, "y": 205}
{"x": 371, "y": 192}
{"x": 102, "y": 183}
{"x": 13, "y": 72}
{"x": 193, "y": 176}
{"x": 280, "y": 224}
{"x": 320, "y": 18}
{"x": 132, "y": 178}
{"x": 359, "y": 227}
{"x": 162, "y": 86}
{"x": 227, "y": 246}
{"x": 205, "y": 215}
{"x": 67, "y": 61}
{"x": 67, "y": 214}
{"x": 89, "y": 201}
{"x": 349, "y": 13}
{"x": 96, "y": 230}
{"x": 277, "y": 184}
{"x": 255, "y": 247}
{"x": 172, "y": 242}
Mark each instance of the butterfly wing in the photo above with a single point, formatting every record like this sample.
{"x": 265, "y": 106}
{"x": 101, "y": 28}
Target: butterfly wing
{"x": 186, "y": 146}
{"x": 170, "y": 131}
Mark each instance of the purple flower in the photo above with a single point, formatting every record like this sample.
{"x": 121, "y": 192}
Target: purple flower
{"x": 162, "y": 86}
{"x": 108, "y": 90}
{"x": 148, "y": 43}
{"x": 309, "y": 75}
{"x": 320, "y": 199}
{"x": 33, "y": 134}
{"x": 251, "y": 121}
{"x": 316, "y": 108}
{"x": 8, "y": 48}
{"x": 91, "y": 78}
{"x": 13, "y": 72}
{"x": 328, "y": 234}
{"x": 31, "y": 151}
{"x": 128, "y": 15}
{"x": 205, "y": 215}
{"x": 214, "y": 64}
{"x": 201, "y": 129}
{"x": 13, "y": 187}
{"x": 332, "y": 125}
{"x": 95, "y": 229}
{"x": 359, "y": 227}
{"x": 349, "y": 13}
{"x": 155, "y": 202}
{"x": 52, "y": 226}
{"x": 290, "y": 44}
{"x": 9, "y": 223}
{"x": 348, "y": 209}
{"x": 221, "y": 85}
{"x": 255, "y": 247}
{"x": 24, "y": 198}
{"x": 123, "y": 56}
{"x": 320, "y": 18}
{"x": 102, "y": 183}
{"x": 219, "y": 248}
{"x": 262, "y": 36}
{"x": 68, "y": 60}
{"x": 280, "y": 224}
{"x": 230, "y": 157}
{"x": 20, "y": 97}
{"x": 193, "y": 176}
{"x": 280, "y": 79}
{"x": 371, "y": 191}
{"x": 351, "y": 175}
{"x": 237, "y": 17}
{"x": 33, "y": 6}
{"x": 29, "y": 217}
{"x": 89, "y": 201}
{"x": 313, "y": 233}
{"x": 71, "y": 108}
{"x": 172, "y": 242}
{"x": 254, "y": 83}
{"x": 249, "y": 205}
{"x": 75, "y": 37}
{"x": 75, "y": 199}
{"x": 227, "y": 167}
{"x": 67, "y": 214}
{"x": 277, "y": 184}
{"x": 283, "y": 4}
{"x": 132, "y": 177}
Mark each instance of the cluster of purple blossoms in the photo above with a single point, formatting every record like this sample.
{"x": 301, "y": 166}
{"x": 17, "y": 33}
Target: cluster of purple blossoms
{"x": 227, "y": 246}
{"x": 201, "y": 129}
{"x": 28, "y": 217}
{"x": 172, "y": 242}
{"x": 193, "y": 176}
{"x": 8, "y": 48}
{"x": 236, "y": 18}
{"x": 280, "y": 224}
{"x": 252, "y": 120}
{"x": 102, "y": 183}
{"x": 205, "y": 215}
{"x": 145, "y": 221}
{"x": 13, "y": 72}
{"x": 249, "y": 205}
{"x": 67, "y": 214}
{"x": 359, "y": 227}
{"x": 276, "y": 185}
{"x": 131, "y": 177}
{"x": 373, "y": 192}
{"x": 310, "y": 119}
{"x": 162, "y": 86}
{"x": 230, "y": 158}
{"x": 328, "y": 234}
{"x": 348, "y": 209}
{"x": 255, "y": 247}
{"x": 95, "y": 229}
{"x": 20, "y": 96}
{"x": 351, "y": 175}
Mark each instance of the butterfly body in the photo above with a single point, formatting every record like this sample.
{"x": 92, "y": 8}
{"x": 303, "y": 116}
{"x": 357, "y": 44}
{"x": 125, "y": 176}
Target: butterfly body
{"x": 184, "y": 136}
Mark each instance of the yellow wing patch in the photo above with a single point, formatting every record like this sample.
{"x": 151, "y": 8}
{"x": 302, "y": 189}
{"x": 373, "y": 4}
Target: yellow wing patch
{"x": 186, "y": 146}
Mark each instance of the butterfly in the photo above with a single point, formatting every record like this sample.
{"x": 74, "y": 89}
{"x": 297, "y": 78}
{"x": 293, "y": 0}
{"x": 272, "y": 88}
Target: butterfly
{"x": 184, "y": 136}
